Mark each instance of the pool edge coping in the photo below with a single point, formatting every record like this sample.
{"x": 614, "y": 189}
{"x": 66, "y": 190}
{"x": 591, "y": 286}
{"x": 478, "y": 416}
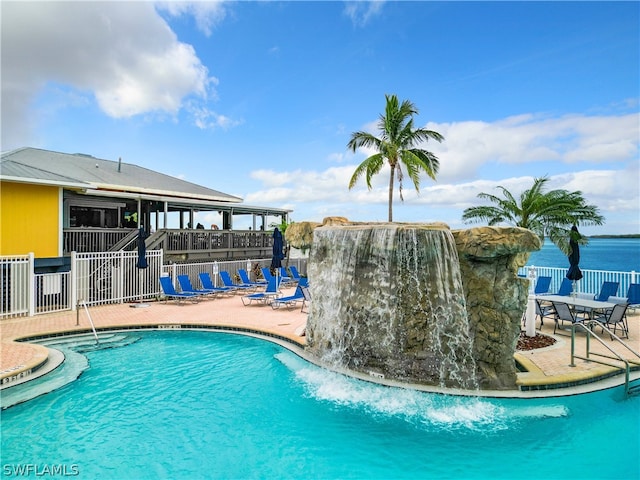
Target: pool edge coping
{"x": 586, "y": 383}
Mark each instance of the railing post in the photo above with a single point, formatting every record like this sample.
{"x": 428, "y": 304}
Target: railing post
{"x": 530, "y": 319}
{"x": 73, "y": 280}
{"x": 31, "y": 291}
{"x": 121, "y": 270}
{"x": 573, "y": 346}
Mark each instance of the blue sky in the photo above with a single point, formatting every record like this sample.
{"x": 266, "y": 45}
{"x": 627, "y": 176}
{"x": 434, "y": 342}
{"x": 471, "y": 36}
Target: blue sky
{"x": 259, "y": 99}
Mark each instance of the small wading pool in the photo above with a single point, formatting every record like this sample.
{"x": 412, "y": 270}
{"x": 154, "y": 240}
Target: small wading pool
{"x": 194, "y": 404}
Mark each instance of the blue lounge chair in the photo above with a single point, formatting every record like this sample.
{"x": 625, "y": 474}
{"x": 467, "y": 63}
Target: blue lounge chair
{"x": 270, "y": 293}
{"x": 244, "y": 276}
{"x": 285, "y": 279}
{"x": 294, "y": 273}
{"x": 566, "y": 287}
{"x": 289, "y": 301}
{"x": 170, "y": 292}
{"x": 266, "y": 273}
{"x": 187, "y": 287}
{"x": 207, "y": 284}
{"x": 633, "y": 295}
{"x": 542, "y": 285}
{"x": 608, "y": 289}
{"x": 228, "y": 282}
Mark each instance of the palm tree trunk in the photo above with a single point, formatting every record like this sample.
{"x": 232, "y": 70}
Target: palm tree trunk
{"x": 391, "y": 179}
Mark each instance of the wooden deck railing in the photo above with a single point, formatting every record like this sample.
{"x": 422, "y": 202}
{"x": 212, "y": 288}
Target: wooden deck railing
{"x": 184, "y": 244}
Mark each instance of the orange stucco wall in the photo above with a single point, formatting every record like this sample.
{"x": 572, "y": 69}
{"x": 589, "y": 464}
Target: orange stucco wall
{"x": 29, "y": 219}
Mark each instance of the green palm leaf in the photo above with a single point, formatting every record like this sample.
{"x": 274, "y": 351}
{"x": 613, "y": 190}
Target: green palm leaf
{"x": 396, "y": 146}
{"x": 551, "y": 213}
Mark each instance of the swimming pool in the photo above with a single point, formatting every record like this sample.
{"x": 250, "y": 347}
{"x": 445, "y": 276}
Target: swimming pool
{"x": 194, "y": 404}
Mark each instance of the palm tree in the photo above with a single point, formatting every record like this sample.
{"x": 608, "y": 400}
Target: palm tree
{"x": 550, "y": 213}
{"x": 396, "y": 146}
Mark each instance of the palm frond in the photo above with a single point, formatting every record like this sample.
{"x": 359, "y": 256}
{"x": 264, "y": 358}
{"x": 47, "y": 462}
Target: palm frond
{"x": 396, "y": 145}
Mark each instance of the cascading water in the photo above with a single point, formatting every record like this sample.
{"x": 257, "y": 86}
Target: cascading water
{"x": 388, "y": 299}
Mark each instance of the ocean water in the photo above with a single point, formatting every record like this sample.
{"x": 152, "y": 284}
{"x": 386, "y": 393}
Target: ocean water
{"x": 612, "y": 254}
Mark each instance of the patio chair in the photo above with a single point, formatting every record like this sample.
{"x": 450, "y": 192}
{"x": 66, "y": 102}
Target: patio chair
{"x": 307, "y": 299}
{"x": 544, "y": 311}
{"x": 228, "y": 282}
{"x": 542, "y": 285}
{"x": 614, "y": 317}
{"x": 608, "y": 289}
{"x": 207, "y": 284}
{"x": 187, "y": 287}
{"x": 564, "y": 314}
{"x": 289, "y": 301}
{"x": 244, "y": 277}
{"x": 270, "y": 293}
{"x": 170, "y": 293}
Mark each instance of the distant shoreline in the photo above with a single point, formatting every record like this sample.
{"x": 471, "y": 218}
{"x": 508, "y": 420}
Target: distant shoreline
{"x": 629, "y": 235}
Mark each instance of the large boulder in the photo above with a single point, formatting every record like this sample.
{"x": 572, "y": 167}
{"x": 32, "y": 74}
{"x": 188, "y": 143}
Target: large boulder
{"x": 300, "y": 234}
{"x": 496, "y": 297}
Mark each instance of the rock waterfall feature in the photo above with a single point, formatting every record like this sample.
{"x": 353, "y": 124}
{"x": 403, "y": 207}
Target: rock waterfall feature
{"x": 388, "y": 300}
{"x": 417, "y": 302}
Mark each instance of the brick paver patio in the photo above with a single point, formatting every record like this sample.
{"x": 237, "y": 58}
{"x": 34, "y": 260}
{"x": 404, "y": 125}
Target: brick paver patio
{"x": 546, "y": 367}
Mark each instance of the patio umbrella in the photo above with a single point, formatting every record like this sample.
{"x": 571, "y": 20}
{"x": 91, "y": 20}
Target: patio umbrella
{"x": 142, "y": 249}
{"x": 574, "y": 272}
{"x": 141, "y": 264}
{"x": 276, "y": 260}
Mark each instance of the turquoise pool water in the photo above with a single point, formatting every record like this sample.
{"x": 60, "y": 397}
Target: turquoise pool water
{"x": 193, "y": 404}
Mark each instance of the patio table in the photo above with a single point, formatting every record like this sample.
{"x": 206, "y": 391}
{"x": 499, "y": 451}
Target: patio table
{"x": 589, "y": 305}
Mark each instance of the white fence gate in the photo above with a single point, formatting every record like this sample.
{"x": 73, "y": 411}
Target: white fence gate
{"x": 112, "y": 277}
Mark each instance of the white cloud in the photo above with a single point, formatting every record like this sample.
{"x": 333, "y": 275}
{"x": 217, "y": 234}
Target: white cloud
{"x": 526, "y": 139}
{"x": 205, "y": 118}
{"x": 518, "y": 143}
{"x": 122, "y": 53}
{"x": 360, "y": 12}
{"x": 207, "y": 14}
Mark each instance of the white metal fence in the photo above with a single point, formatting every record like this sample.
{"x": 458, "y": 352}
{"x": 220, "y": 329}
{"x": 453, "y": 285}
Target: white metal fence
{"x": 98, "y": 279}
{"x": 112, "y": 277}
{"x": 16, "y": 273}
{"x": 591, "y": 281}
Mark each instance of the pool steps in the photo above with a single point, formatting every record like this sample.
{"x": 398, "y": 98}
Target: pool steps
{"x": 66, "y": 356}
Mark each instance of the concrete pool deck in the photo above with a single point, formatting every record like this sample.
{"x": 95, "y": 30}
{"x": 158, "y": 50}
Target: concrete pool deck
{"x": 548, "y": 368}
